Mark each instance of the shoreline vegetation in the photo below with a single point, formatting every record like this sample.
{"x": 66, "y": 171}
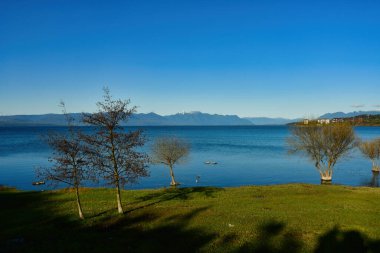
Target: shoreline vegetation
{"x": 360, "y": 120}
{"x": 279, "y": 218}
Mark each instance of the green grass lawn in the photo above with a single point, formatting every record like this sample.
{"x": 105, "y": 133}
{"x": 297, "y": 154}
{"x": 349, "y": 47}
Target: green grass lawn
{"x": 281, "y": 218}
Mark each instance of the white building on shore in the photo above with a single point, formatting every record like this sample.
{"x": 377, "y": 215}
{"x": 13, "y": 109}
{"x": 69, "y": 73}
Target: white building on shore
{"x": 323, "y": 121}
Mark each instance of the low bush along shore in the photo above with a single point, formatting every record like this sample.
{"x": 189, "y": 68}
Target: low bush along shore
{"x": 281, "y": 218}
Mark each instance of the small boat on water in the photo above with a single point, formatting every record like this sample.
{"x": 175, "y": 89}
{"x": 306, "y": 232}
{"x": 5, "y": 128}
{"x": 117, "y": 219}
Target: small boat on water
{"x": 211, "y": 162}
{"x": 38, "y": 183}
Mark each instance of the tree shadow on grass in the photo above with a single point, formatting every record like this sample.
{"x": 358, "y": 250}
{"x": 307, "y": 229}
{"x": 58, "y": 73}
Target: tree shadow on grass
{"x": 26, "y": 214}
{"x": 181, "y": 193}
{"x": 274, "y": 237}
{"x": 172, "y": 194}
{"x": 173, "y": 234}
{"x": 30, "y": 223}
{"x": 33, "y": 226}
{"x": 351, "y": 241}
{"x": 141, "y": 232}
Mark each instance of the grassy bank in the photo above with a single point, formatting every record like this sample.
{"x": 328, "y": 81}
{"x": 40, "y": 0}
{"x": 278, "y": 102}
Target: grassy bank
{"x": 281, "y": 218}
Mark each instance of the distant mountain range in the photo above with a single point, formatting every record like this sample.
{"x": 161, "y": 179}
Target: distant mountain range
{"x": 179, "y": 119}
{"x": 139, "y": 119}
{"x": 270, "y": 121}
{"x": 186, "y": 119}
{"x": 348, "y": 115}
{"x": 37, "y": 120}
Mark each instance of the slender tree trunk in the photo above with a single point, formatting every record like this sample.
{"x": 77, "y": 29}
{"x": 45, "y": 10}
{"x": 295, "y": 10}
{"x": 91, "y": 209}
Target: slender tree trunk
{"x": 173, "y": 182}
{"x": 78, "y": 203}
{"x": 375, "y": 167}
{"x": 116, "y": 175}
{"x": 326, "y": 176}
{"x": 118, "y": 198}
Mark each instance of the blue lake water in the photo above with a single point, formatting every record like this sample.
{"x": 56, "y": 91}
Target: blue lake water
{"x": 246, "y": 155}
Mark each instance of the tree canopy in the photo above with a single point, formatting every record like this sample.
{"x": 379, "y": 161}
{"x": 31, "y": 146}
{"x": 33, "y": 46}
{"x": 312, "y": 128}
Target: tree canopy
{"x": 323, "y": 144}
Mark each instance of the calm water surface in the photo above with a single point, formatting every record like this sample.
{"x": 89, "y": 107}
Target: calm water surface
{"x": 246, "y": 155}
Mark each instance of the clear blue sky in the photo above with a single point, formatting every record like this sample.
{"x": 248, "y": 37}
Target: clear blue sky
{"x": 250, "y": 58}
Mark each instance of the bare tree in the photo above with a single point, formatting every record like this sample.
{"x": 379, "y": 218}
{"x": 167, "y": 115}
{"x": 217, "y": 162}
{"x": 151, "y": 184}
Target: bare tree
{"x": 371, "y": 149}
{"x": 112, "y": 150}
{"x": 323, "y": 144}
{"x": 170, "y": 151}
{"x": 68, "y": 158}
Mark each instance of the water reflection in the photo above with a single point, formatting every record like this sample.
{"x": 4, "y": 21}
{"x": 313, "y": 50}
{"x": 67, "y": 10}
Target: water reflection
{"x": 374, "y": 181}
